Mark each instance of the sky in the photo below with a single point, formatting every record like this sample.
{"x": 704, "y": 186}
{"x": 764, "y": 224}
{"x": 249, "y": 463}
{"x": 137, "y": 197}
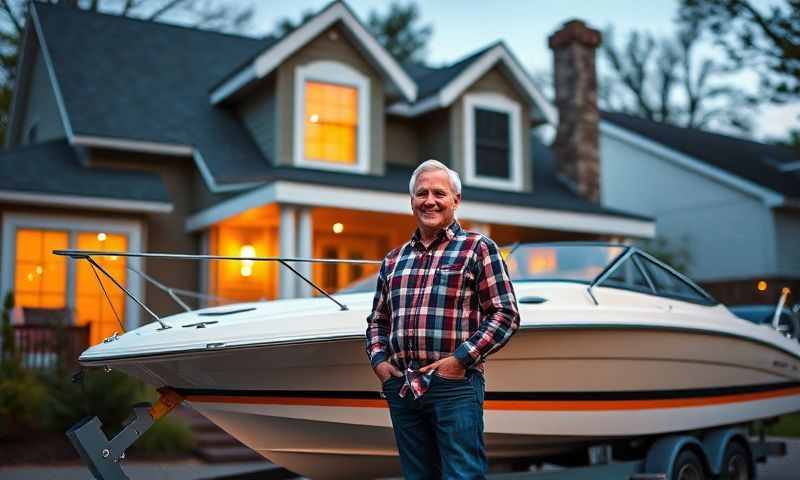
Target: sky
{"x": 463, "y": 26}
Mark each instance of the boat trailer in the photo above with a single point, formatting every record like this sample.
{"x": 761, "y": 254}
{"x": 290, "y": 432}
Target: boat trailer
{"x": 103, "y": 456}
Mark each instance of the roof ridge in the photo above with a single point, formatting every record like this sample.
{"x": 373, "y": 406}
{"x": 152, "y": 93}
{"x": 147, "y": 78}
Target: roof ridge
{"x": 33, "y": 146}
{"x": 39, "y": 5}
{"x": 699, "y": 130}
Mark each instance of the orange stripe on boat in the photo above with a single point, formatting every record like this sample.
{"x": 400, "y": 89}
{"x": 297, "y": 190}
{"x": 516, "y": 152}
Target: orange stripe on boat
{"x": 514, "y": 405}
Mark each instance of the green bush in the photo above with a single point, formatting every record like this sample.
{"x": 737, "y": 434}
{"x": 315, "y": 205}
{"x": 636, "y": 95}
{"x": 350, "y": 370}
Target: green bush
{"x": 168, "y": 436}
{"x": 22, "y": 400}
{"x": 110, "y": 396}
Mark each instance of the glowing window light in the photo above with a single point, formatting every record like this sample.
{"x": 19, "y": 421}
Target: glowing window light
{"x": 762, "y": 286}
{"x": 247, "y": 265}
{"x": 101, "y": 237}
{"x": 542, "y": 260}
{"x": 39, "y": 270}
{"x": 314, "y": 118}
{"x": 338, "y": 228}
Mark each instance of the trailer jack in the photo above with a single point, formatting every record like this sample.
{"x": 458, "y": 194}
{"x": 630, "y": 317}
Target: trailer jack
{"x": 103, "y": 456}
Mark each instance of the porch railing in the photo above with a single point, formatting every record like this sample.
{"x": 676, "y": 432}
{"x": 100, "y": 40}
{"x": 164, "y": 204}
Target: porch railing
{"x": 44, "y": 346}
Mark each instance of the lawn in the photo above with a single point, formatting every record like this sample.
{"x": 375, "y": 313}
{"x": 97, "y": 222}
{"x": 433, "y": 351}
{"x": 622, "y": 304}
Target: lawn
{"x": 788, "y": 426}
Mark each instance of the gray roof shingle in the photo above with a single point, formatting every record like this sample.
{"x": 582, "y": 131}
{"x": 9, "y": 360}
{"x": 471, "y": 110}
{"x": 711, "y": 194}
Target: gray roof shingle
{"x": 750, "y": 160}
{"x": 54, "y": 168}
{"x": 134, "y": 79}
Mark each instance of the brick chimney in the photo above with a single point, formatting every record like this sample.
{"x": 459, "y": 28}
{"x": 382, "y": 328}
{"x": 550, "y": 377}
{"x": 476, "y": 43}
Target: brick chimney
{"x": 576, "y": 146}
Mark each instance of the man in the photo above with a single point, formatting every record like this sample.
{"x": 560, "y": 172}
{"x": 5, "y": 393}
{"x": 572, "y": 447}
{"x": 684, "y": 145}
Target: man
{"x": 444, "y": 301}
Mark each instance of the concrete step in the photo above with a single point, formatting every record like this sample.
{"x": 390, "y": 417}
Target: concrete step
{"x": 213, "y": 438}
{"x": 213, "y": 444}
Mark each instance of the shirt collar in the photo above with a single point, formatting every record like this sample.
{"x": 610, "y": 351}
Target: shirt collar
{"x": 449, "y": 233}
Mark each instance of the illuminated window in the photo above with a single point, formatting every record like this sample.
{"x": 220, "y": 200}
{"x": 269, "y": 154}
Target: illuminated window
{"x": 331, "y": 122}
{"x": 331, "y": 117}
{"x": 40, "y": 277}
{"x": 91, "y": 305}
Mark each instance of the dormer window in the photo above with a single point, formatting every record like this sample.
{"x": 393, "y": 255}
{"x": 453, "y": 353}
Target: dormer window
{"x": 331, "y": 117}
{"x": 492, "y": 141}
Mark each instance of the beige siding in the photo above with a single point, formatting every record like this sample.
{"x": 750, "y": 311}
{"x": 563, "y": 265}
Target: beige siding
{"x": 165, "y": 232}
{"x": 257, "y": 113}
{"x": 402, "y": 141}
{"x": 331, "y": 45}
{"x": 494, "y": 81}
{"x": 39, "y": 107}
{"x": 434, "y": 136}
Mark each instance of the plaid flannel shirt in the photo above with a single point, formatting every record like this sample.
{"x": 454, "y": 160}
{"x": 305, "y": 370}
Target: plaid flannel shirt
{"x": 454, "y": 297}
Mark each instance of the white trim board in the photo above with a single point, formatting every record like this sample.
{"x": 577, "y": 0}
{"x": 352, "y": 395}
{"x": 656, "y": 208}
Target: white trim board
{"x": 132, "y": 229}
{"x": 769, "y": 197}
{"x": 501, "y": 104}
{"x": 62, "y": 109}
{"x": 276, "y": 54}
{"x": 335, "y": 73}
{"x": 77, "y": 201}
{"x": 450, "y": 92}
{"x": 311, "y": 195}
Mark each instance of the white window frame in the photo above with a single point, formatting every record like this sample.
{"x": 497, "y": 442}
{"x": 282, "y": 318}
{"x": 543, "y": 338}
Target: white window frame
{"x": 502, "y": 104}
{"x": 338, "y": 74}
{"x": 73, "y": 225}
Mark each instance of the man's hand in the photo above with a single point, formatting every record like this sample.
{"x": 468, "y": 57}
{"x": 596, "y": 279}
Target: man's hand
{"x": 385, "y": 370}
{"x": 448, "y": 367}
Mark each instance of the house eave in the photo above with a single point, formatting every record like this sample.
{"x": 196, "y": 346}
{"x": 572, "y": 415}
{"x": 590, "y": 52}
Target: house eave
{"x": 83, "y": 202}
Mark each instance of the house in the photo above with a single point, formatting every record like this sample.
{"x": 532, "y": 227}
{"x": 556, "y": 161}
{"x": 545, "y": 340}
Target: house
{"x": 733, "y": 203}
{"x": 140, "y": 136}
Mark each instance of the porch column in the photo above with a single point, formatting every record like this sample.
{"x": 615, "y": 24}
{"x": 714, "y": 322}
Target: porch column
{"x": 305, "y": 247}
{"x": 287, "y": 243}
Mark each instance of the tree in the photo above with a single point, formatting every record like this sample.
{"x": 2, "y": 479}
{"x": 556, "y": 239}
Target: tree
{"x": 764, "y": 39}
{"x": 663, "y": 80}
{"x": 209, "y": 14}
{"x": 398, "y": 33}
{"x": 396, "y": 30}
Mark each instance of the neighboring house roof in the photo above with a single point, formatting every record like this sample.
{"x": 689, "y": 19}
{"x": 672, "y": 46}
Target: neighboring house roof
{"x": 41, "y": 173}
{"x": 276, "y": 53}
{"x": 758, "y": 163}
{"x": 129, "y": 79}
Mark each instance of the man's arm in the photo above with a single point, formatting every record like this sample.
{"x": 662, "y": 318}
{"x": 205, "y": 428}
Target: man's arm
{"x": 498, "y": 307}
{"x": 379, "y": 321}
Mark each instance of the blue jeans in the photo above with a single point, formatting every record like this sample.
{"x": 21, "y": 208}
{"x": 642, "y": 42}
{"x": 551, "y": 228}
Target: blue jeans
{"x": 440, "y": 435}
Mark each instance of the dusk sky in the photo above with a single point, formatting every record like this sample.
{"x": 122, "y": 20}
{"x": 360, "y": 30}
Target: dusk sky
{"x": 463, "y": 26}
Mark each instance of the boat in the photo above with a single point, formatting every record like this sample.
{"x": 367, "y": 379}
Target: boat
{"x": 614, "y": 347}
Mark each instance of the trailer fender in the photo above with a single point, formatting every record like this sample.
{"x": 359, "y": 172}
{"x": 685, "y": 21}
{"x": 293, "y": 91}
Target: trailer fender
{"x": 662, "y": 454}
{"x": 715, "y": 442}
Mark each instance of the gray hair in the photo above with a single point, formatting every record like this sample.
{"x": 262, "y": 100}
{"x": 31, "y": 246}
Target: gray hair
{"x": 431, "y": 164}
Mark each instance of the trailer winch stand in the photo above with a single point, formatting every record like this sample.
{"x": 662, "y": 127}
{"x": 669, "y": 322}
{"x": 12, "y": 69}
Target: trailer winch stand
{"x": 102, "y": 455}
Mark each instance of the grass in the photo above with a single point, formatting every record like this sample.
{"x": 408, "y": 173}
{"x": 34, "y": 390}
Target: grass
{"x": 787, "y": 426}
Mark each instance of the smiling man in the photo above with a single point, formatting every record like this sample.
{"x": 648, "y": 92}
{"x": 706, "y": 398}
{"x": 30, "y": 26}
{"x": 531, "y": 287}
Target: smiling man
{"x": 444, "y": 302}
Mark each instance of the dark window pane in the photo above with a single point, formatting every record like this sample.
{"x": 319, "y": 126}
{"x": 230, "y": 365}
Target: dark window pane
{"x": 492, "y": 144}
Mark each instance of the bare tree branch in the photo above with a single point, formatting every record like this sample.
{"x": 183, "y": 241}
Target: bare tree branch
{"x": 12, "y": 17}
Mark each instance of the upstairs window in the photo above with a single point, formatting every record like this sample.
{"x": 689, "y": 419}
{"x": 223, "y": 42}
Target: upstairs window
{"x": 331, "y": 123}
{"x": 492, "y": 141}
{"x": 331, "y": 117}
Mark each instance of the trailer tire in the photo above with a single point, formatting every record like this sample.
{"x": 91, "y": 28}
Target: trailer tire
{"x": 688, "y": 466}
{"x": 736, "y": 463}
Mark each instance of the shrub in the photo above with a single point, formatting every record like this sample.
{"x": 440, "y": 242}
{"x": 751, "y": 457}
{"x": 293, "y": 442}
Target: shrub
{"x": 787, "y": 426}
{"x": 22, "y": 400}
{"x": 168, "y": 436}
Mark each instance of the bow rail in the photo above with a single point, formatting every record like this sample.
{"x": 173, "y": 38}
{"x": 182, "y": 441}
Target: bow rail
{"x": 89, "y": 254}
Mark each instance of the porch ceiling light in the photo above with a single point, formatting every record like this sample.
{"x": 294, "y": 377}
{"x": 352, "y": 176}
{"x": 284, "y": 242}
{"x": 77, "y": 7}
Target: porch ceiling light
{"x": 247, "y": 265}
{"x": 338, "y": 228}
{"x": 101, "y": 237}
{"x": 762, "y": 286}
{"x": 314, "y": 118}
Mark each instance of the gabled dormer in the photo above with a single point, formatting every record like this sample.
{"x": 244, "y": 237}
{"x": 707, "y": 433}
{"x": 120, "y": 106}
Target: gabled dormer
{"x": 315, "y": 98}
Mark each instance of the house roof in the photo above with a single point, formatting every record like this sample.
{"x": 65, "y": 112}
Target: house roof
{"x": 54, "y": 168}
{"x": 138, "y": 80}
{"x": 759, "y": 163}
{"x": 432, "y": 79}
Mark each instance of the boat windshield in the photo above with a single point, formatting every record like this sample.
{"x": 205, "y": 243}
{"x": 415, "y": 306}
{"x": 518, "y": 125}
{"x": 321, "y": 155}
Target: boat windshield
{"x": 560, "y": 262}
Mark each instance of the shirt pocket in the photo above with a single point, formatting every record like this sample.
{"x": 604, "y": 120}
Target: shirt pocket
{"x": 450, "y": 275}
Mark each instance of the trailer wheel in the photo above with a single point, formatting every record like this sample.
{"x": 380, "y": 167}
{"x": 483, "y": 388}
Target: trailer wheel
{"x": 688, "y": 467}
{"x": 735, "y": 463}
